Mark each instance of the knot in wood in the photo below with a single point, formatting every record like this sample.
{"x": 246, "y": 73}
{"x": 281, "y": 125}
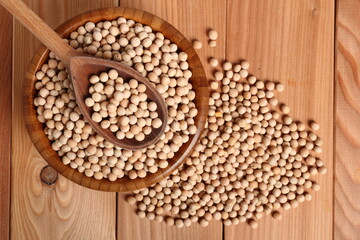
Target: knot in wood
{"x": 48, "y": 175}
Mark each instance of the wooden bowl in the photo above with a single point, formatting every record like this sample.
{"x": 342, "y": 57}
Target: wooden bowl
{"x": 36, "y": 129}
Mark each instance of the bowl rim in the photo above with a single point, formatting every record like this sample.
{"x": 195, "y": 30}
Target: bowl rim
{"x": 41, "y": 142}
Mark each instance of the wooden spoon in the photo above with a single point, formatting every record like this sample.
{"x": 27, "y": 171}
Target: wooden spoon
{"x": 81, "y": 67}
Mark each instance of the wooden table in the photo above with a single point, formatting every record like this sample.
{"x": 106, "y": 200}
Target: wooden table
{"x": 312, "y": 46}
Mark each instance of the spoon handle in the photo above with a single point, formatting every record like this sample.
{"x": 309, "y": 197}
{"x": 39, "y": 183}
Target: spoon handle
{"x": 40, "y": 29}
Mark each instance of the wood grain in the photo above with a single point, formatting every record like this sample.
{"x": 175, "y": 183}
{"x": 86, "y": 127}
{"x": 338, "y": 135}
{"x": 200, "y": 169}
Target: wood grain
{"x": 288, "y": 41}
{"x": 192, "y": 18}
{"x": 5, "y": 121}
{"x": 40, "y": 29}
{"x": 63, "y": 210}
{"x": 291, "y": 42}
{"x": 347, "y": 140}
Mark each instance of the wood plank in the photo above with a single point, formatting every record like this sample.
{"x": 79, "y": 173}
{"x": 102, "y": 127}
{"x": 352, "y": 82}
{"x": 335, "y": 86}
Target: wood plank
{"x": 192, "y": 18}
{"x": 291, "y": 42}
{"x": 347, "y": 140}
{"x": 5, "y": 121}
{"x": 64, "y": 210}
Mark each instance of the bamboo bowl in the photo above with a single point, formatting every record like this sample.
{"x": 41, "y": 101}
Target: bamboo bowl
{"x": 36, "y": 129}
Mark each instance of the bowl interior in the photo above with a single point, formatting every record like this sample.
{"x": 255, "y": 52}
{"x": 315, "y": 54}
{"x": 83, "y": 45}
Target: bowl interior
{"x": 198, "y": 80}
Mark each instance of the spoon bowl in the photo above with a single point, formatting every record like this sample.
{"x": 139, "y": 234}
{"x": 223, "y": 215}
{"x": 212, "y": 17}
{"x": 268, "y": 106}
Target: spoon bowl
{"x": 83, "y": 67}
